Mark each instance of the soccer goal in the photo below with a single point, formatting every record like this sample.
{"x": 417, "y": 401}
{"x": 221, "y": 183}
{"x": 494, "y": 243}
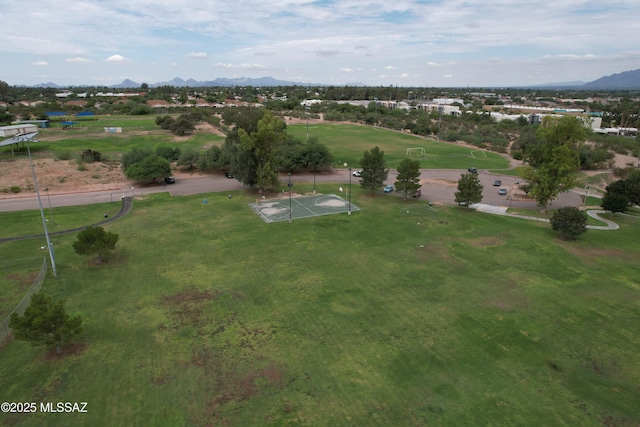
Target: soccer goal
{"x": 478, "y": 151}
{"x": 413, "y": 151}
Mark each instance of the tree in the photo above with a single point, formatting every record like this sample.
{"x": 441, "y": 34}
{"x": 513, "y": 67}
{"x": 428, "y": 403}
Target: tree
{"x": 569, "y": 221}
{"x": 151, "y": 167}
{"x": 169, "y": 153}
{"x": 374, "y": 170}
{"x": 95, "y": 240}
{"x": 45, "y": 323}
{"x": 614, "y": 202}
{"x": 469, "y": 189}
{"x": 134, "y": 156}
{"x": 253, "y": 153}
{"x": 554, "y": 158}
{"x": 408, "y": 179}
{"x": 189, "y": 157}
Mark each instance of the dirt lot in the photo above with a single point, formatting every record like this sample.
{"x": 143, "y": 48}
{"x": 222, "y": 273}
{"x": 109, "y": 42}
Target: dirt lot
{"x": 59, "y": 176}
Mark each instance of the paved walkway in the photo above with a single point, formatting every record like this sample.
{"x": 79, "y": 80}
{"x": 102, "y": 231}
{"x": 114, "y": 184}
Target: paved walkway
{"x": 502, "y": 210}
{"x": 126, "y": 207}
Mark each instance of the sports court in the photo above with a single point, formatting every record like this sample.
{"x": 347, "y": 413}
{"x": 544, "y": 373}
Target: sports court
{"x": 275, "y": 210}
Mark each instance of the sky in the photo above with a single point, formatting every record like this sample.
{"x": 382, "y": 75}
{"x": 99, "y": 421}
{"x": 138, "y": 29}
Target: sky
{"x": 409, "y": 43}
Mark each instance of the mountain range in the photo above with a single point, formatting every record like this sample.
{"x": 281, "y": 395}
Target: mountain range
{"x": 627, "y": 80}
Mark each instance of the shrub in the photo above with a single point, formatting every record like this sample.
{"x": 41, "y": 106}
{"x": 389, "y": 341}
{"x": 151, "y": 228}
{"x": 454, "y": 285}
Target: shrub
{"x": 90, "y": 156}
{"x": 569, "y": 221}
{"x": 15, "y": 189}
{"x": 64, "y": 155}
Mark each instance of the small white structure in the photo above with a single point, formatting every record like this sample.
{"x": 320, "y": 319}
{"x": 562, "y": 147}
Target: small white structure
{"x": 21, "y": 129}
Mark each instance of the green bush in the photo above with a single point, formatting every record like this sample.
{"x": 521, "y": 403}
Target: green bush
{"x": 15, "y": 189}
{"x": 64, "y": 155}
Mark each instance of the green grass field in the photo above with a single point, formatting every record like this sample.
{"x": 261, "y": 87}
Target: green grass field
{"x": 138, "y": 131}
{"x": 205, "y": 315}
{"x": 348, "y": 142}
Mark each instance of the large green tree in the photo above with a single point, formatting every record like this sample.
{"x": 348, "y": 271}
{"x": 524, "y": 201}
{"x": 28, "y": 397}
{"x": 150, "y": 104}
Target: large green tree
{"x": 408, "y": 179}
{"x": 252, "y": 153}
{"x": 569, "y": 221}
{"x": 151, "y": 167}
{"x": 95, "y": 240}
{"x": 45, "y": 323}
{"x": 553, "y": 161}
{"x": 469, "y": 189}
{"x": 374, "y": 170}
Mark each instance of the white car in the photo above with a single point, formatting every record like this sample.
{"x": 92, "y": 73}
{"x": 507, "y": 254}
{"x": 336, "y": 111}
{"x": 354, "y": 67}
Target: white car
{"x": 357, "y": 173}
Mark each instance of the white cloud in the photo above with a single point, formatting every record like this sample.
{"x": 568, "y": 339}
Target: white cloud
{"x": 40, "y": 63}
{"x": 313, "y": 38}
{"x": 78, "y": 59}
{"x": 241, "y": 66}
{"x": 116, "y": 59}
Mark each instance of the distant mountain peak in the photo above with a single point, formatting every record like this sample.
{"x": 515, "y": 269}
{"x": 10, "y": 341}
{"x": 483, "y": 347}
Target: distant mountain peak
{"x": 620, "y": 81}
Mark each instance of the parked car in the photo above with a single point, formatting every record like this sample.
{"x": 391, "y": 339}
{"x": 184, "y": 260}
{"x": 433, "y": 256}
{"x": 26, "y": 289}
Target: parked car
{"x": 497, "y": 183}
{"x": 502, "y": 191}
{"x": 229, "y": 175}
{"x": 388, "y": 188}
{"x": 170, "y": 180}
{"x": 357, "y": 173}
{"x": 473, "y": 170}
{"x": 418, "y": 193}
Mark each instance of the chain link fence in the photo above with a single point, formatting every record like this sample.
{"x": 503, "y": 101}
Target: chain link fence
{"x": 5, "y": 331}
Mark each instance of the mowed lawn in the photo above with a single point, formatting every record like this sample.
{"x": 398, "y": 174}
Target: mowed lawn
{"x": 347, "y": 143}
{"x": 206, "y": 315}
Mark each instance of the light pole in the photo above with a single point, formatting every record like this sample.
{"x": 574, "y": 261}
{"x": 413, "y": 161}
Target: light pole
{"x": 290, "y": 211}
{"x": 53, "y": 223}
{"x": 315, "y": 163}
{"x": 375, "y": 101}
{"x": 132, "y": 188}
{"x": 349, "y": 195}
{"x": 306, "y": 113}
{"x": 44, "y": 222}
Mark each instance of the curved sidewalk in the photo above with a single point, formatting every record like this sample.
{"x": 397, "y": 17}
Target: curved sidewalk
{"x": 127, "y": 203}
{"x": 502, "y": 210}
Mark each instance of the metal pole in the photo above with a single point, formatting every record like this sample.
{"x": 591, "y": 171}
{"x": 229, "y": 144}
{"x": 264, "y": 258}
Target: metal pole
{"x": 315, "y": 162}
{"x": 306, "y": 113}
{"x": 44, "y": 222}
{"x": 50, "y": 210}
{"x": 349, "y": 197}
{"x": 290, "y": 211}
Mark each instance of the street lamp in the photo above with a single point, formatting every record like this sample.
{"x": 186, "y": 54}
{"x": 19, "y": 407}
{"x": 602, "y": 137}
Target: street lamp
{"x": 290, "y": 211}
{"x": 132, "y": 193}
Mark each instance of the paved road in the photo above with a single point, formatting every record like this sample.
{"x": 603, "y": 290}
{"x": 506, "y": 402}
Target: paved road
{"x": 440, "y": 187}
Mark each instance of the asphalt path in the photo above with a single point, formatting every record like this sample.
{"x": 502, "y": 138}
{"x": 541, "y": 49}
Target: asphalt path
{"x": 440, "y": 188}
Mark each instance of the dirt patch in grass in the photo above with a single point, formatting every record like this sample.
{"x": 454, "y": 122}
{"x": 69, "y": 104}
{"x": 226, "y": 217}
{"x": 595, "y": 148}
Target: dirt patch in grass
{"x": 71, "y": 349}
{"x": 23, "y": 280}
{"x": 591, "y": 255}
{"x": 508, "y": 296}
{"x": 484, "y": 242}
{"x": 186, "y": 307}
{"x": 429, "y": 252}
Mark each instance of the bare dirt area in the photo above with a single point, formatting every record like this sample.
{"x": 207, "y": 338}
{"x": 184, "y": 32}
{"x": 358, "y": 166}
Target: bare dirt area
{"x": 59, "y": 177}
